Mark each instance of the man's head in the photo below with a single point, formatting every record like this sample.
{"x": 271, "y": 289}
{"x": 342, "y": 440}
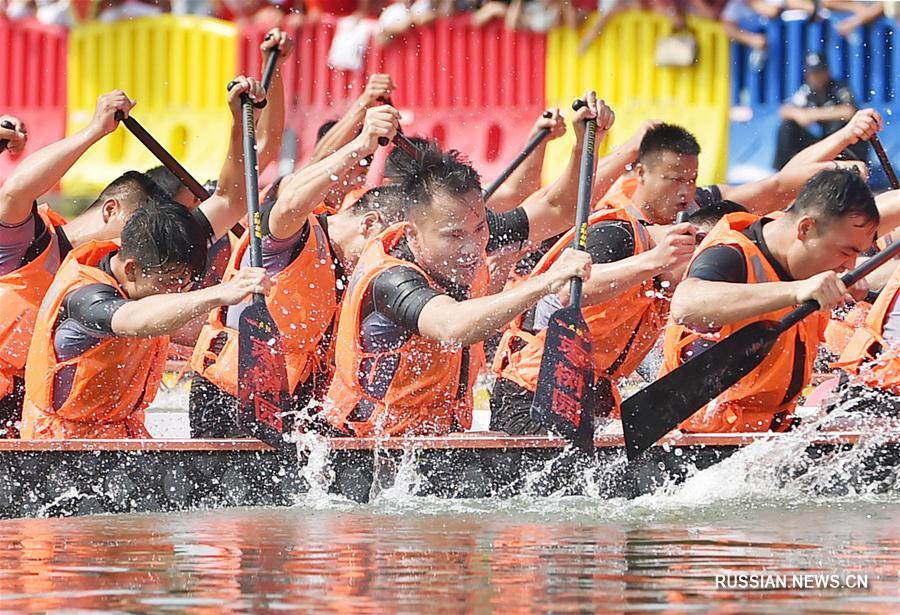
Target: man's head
{"x": 398, "y": 163}
{"x": 353, "y": 179}
{"x": 448, "y": 230}
{"x": 121, "y": 198}
{"x": 176, "y": 190}
{"x": 705, "y": 218}
{"x": 832, "y": 221}
{"x": 374, "y": 211}
{"x": 667, "y": 172}
{"x": 163, "y": 250}
{"x": 815, "y": 72}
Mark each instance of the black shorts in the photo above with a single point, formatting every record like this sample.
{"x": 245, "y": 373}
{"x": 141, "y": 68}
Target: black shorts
{"x": 213, "y": 413}
{"x": 511, "y": 407}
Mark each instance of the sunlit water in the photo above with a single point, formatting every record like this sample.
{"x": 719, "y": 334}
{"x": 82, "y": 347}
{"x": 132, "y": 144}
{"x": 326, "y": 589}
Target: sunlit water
{"x": 766, "y": 530}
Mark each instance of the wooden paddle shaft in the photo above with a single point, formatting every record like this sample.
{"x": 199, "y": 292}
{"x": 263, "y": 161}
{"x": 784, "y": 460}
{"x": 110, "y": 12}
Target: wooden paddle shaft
{"x": 525, "y": 153}
{"x": 163, "y": 156}
{"x": 583, "y": 209}
{"x": 251, "y": 176}
{"x": 885, "y": 162}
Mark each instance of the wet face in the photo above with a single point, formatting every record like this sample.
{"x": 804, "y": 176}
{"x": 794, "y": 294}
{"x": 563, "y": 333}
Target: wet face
{"x": 832, "y": 248}
{"x": 816, "y": 78}
{"x": 667, "y": 182}
{"x": 450, "y": 237}
{"x": 147, "y": 283}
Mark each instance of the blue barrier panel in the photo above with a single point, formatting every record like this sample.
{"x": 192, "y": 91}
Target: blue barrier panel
{"x": 867, "y": 61}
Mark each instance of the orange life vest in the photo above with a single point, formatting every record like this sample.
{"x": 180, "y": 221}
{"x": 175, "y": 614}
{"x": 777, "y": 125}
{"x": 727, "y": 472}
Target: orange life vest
{"x": 113, "y": 382}
{"x": 21, "y": 292}
{"x": 619, "y": 196}
{"x": 868, "y": 355}
{"x": 623, "y": 329}
{"x": 754, "y": 402}
{"x": 841, "y": 329}
{"x": 303, "y": 304}
{"x": 426, "y": 396}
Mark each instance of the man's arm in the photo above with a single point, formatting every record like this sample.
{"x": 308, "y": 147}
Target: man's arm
{"x": 527, "y": 178}
{"x": 810, "y": 115}
{"x": 864, "y": 124}
{"x": 888, "y": 204}
{"x": 229, "y": 202}
{"x": 552, "y": 211}
{"x": 378, "y": 90}
{"x": 611, "y": 279}
{"x": 43, "y": 169}
{"x": 704, "y": 304}
{"x": 271, "y": 121}
{"x": 301, "y": 192}
{"x": 777, "y": 191}
{"x": 472, "y": 321}
{"x": 164, "y": 314}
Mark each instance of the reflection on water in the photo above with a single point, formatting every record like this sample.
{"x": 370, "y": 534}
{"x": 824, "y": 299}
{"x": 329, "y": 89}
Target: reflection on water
{"x": 448, "y": 557}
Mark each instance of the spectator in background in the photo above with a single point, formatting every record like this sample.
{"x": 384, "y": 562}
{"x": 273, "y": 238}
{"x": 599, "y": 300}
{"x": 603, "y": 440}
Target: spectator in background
{"x": 117, "y": 10}
{"x": 50, "y": 12}
{"x": 400, "y": 16}
{"x": 821, "y": 105}
{"x": 540, "y": 15}
{"x": 861, "y": 14}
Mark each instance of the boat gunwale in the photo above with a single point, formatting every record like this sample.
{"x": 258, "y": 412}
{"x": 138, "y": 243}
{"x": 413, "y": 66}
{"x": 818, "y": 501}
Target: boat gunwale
{"x": 470, "y": 441}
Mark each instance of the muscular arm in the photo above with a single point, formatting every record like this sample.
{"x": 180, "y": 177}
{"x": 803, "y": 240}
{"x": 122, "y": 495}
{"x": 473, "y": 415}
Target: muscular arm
{"x": 775, "y": 191}
{"x": 270, "y": 130}
{"x": 827, "y": 114}
{"x": 714, "y": 293}
{"x": 472, "y": 321}
{"x": 889, "y": 210}
{"x": 39, "y": 172}
{"x": 160, "y": 315}
{"x": 526, "y": 179}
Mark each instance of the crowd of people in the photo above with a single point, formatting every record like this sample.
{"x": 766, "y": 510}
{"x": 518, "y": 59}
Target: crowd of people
{"x": 385, "y": 295}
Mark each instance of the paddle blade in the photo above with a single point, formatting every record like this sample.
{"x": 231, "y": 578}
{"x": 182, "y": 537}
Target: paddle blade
{"x": 656, "y": 410}
{"x": 263, "y": 396}
{"x": 565, "y": 380}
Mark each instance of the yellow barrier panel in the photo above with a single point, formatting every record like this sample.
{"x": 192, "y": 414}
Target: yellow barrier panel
{"x": 176, "y": 68}
{"x": 620, "y": 66}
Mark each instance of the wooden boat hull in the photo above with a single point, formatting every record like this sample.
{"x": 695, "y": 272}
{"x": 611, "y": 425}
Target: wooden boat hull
{"x": 76, "y": 477}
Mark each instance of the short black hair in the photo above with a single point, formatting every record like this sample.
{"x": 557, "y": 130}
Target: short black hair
{"x": 437, "y": 171}
{"x": 834, "y": 193}
{"x": 398, "y": 163}
{"x": 388, "y": 201}
{"x": 132, "y": 186}
{"x": 165, "y": 179}
{"x": 711, "y": 214}
{"x": 165, "y": 237}
{"x": 668, "y": 138}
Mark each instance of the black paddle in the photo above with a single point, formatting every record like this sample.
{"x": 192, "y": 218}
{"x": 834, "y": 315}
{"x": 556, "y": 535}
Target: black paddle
{"x": 5, "y": 142}
{"x": 167, "y": 159}
{"x": 566, "y": 378}
{"x": 525, "y": 153}
{"x": 271, "y": 63}
{"x": 885, "y": 162}
{"x": 263, "y": 396}
{"x": 400, "y": 140}
{"x": 653, "y": 412}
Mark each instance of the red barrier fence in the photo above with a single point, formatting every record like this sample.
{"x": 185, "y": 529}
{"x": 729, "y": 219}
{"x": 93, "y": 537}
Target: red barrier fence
{"x": 478, "y": 90}
{"x": 33, "y": 77}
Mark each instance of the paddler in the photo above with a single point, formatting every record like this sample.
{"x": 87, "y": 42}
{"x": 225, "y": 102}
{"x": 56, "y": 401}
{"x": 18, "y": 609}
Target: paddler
{"x": 100, "y": 342}
{"x": 752, "y": 268}
{"x": 409, "y": 340}
{"x": 309, "y": 255}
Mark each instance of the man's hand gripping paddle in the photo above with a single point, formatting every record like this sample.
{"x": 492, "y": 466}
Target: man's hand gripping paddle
{"x": 525, "y": 153}
{"x": 651, "y": 413}
{"x": 263, "y": 396}
{"x": 566, "y": 378}
{"x": 5, "y": 142}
